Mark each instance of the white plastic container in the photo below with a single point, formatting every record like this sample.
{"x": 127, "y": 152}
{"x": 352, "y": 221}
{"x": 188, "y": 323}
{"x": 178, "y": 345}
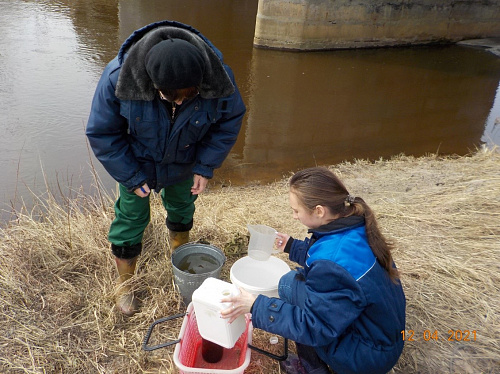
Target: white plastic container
{"x": 259, "y": 277}
{"x": 207, "y": 306}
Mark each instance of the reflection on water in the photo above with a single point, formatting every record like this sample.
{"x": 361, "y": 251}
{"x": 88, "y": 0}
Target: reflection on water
{"x": 303, "y": 108}
{"x": 327, "y": 107}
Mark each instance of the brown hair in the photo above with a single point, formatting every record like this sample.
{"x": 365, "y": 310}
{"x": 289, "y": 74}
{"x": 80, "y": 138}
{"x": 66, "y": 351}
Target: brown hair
{"x": 186, "y": 93}
{"x": 319, "y": 186}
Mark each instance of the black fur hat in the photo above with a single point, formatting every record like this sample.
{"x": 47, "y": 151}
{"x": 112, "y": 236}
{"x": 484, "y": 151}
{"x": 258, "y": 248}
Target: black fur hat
{"x": 175, "y": 64}
{"x": 134, "y": 82}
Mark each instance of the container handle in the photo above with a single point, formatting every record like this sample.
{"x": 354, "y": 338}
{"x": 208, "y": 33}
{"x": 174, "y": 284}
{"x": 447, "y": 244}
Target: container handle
{"x": 272, "y": 355}
{"x": 147, "y": 347}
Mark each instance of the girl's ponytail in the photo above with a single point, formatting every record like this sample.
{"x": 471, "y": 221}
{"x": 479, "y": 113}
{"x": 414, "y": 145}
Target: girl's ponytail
{"x": 381, "y": 248}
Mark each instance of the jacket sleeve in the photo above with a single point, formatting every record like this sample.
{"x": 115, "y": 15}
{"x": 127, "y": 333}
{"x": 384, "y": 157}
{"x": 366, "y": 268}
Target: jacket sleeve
{"x": 107, "y": 133}
{"x": 221, "y": 136}
{"x": 298, "y": 251}
{"x": 334, "y": 300}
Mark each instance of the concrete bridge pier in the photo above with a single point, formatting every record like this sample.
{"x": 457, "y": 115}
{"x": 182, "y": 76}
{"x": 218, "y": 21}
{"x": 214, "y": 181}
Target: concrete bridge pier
{"x": 334, "y": 24}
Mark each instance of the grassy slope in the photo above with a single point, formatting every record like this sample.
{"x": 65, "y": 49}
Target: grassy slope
{"x": 56, "y": 271}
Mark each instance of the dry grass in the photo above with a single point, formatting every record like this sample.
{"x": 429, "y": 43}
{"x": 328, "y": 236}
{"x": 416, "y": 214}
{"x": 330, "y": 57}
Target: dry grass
{"x": 56, "y": 271}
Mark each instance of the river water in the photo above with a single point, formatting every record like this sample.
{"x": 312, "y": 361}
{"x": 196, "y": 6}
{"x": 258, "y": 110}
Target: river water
{"x": 304, "y": 109}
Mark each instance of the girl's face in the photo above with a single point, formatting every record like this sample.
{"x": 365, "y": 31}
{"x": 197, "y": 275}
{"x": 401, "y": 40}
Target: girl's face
{"x": 309, "y": 219}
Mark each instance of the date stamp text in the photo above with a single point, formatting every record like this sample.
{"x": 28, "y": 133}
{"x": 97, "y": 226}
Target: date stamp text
{"x": 451, "y": 335}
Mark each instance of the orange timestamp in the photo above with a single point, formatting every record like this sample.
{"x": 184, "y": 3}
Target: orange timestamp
{"x": 428, "y": 335}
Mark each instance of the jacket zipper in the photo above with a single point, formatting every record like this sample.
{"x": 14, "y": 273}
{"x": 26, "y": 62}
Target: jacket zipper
{"x": 174, "y": 107}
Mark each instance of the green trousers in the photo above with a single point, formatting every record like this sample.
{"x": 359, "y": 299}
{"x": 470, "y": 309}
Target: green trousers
{"x": 132, "y": 213}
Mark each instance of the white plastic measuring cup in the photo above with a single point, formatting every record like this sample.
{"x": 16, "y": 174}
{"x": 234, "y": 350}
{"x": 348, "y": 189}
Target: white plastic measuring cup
{"x": 261, "y": 243}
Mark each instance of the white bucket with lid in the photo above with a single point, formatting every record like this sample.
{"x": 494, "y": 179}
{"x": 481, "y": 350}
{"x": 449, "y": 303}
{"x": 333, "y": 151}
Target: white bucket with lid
{"x": 259, "y": 277}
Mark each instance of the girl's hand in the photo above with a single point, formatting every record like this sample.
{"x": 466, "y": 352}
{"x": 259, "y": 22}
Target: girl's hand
{"x": 241, "y": 304}
{"x": 281, "y": 241}
{"x": 142, "y": 191}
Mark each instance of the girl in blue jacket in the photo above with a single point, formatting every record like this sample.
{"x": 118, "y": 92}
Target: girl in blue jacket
{"x": 345, "y": 307}
{"x": 165, "y": 114}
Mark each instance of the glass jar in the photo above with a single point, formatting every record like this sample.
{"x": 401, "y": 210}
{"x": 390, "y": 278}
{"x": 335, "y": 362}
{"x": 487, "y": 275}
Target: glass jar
{"x": 210, "y": 351}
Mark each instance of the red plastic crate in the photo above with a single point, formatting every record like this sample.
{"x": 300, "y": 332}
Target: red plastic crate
{"x": 187, "y": 353}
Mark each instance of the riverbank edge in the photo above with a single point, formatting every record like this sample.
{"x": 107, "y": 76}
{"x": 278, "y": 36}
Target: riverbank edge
{"x": 56, "y": 273}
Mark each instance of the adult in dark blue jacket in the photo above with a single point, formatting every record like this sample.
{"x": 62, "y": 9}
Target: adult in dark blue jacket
{"x": 165, "y": 114}
{"x": 345, "y": 308}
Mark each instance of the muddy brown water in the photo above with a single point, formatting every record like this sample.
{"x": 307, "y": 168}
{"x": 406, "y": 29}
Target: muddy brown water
{"x": 304, "y": 109}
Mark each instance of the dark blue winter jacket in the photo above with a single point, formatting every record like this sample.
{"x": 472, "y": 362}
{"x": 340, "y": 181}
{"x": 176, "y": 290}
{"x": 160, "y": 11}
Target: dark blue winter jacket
{"x": 353, "y": 314}
{"x": 131, "y": 131}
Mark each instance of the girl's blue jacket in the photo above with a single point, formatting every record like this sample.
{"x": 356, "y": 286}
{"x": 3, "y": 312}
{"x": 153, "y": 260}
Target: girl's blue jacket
{"x": 353, "y": 314}
{"x": 131, "y": 131}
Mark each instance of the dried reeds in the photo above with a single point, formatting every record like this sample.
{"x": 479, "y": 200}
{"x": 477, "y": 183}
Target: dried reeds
{"x": 442, "y": 213}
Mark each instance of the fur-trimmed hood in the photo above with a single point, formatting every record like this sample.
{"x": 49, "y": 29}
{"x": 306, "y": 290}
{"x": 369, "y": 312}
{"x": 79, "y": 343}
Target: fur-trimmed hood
{"x": 134, "y": 82}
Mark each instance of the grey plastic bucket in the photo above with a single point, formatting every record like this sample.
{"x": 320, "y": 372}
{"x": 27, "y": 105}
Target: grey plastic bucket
{"x": 186, "y": 282}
